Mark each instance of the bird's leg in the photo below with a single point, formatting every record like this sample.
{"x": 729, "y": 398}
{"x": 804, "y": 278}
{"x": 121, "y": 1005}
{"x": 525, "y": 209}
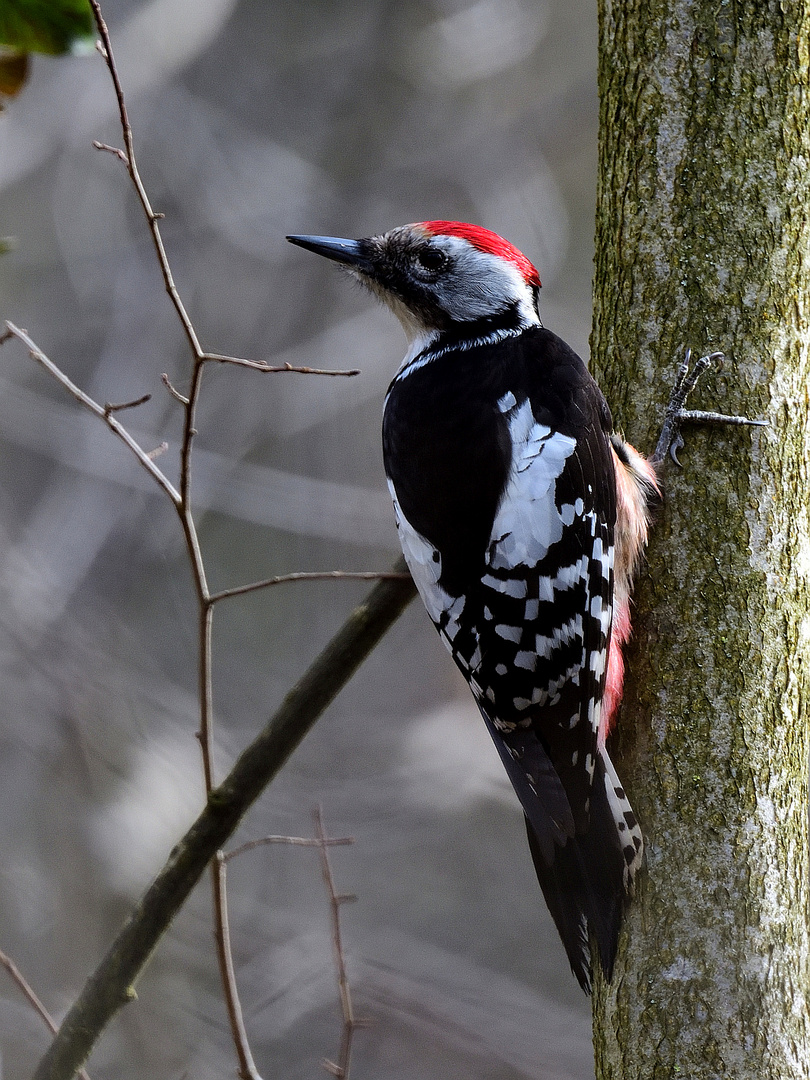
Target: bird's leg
{"x": 671, "y": 440}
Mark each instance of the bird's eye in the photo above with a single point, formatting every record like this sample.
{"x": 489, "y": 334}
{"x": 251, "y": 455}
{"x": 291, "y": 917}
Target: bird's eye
{"x": 430, "y": 259}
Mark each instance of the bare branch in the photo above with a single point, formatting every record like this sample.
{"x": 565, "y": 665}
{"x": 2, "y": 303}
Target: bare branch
{"x": 99, "y": 410}
{"x": 111, "y": 986}
{"x": 247, "y": 1066}
{"x": 152, "y": 218}
{"x": 296, "y": 841}
{"x": 222, "y": 934}
{"x": 132, "y": 168}
{"x": 29, "y": 994}
{"x": 205, "y": 733}
{"x": 189, "y": 431}
{"x": 164, "y": 378}
{"x": 183, "y": 502}
{"x": 304, "y": 575}
{"x": 341, "y": 1067}
{"x": 116, "y": 151}
{"x": 110, "y": 408}
{"x": 261, "y": 366}
{"x": 108, "y": 988}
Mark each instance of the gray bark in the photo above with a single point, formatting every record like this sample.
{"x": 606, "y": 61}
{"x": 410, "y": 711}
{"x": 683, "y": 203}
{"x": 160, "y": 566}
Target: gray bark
{"x": 703, "y": 234}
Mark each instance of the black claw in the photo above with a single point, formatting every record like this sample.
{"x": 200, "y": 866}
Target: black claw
{"x": 675, "y": 446}
{"x": 670, "y": 441}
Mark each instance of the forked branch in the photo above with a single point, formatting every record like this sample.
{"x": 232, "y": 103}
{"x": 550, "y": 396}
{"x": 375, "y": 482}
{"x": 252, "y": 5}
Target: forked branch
{"x": 110, "y": 985}
{"x": 103, "y": 412}
{"x": 339, "y": 1068}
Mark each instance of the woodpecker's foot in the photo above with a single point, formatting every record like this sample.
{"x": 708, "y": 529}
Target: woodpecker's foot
{"x": 671, "y": 440}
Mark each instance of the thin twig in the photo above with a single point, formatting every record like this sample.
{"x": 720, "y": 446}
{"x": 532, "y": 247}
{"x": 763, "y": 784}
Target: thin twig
{"x": 247, "y": 1066}
{"x": 190, "y": 402}
{"x": 260, "y": 365}
{"x": 116, "y": 151}
{"x": 296, "y": 841}
{"x": 164, "y": 378}
{"x": 99, "y": 410}
{"x": 189, "y": 431}
{"x": 132, "y": 168}
{"x": 305, "y": 575}
{"x": 110, "y": 408}
{"x": 28, "y": 992}
{"x": 108, "y": 988}
{"x": 222, "y": 935}
{"x": 340, "y": 1068}
{"x": 205, "y": 733}
{"x": 105, "y": 992}
{"x": 128, "y": 157}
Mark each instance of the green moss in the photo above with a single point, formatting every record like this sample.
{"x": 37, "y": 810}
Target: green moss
{"x": 703, "y": 239}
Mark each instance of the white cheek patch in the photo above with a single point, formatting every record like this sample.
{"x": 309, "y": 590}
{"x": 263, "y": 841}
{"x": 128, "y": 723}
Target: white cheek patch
{"x": 482, "y": 284}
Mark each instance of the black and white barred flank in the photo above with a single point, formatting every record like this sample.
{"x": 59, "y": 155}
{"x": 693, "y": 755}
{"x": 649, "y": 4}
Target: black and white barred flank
{"x": 515, "y": 565}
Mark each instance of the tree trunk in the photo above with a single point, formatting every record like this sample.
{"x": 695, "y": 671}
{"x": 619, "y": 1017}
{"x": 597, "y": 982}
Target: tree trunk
{"x": 703, "y": 240}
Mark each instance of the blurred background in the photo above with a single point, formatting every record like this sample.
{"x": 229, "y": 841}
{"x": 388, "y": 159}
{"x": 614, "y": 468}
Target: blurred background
{"x": 253, "y": 119}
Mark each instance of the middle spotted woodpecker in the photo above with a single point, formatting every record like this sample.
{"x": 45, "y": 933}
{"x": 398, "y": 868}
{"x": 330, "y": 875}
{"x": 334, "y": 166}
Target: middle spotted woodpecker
{"x": 522, "y": 517}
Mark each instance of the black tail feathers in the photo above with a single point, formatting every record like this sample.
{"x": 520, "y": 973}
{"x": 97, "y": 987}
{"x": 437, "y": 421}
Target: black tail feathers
{"x": 586, "y": 883}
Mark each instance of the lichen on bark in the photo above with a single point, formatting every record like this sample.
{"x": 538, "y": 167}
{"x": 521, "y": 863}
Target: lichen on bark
{"x": 703, "y": 240}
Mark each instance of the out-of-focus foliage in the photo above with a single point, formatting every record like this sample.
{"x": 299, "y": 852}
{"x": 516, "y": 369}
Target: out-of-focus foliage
{"x": 253, "y": 120}
{"x": 13, "y": 73}
{"x": 45, "y": 26}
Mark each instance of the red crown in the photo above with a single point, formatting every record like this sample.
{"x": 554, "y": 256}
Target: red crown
{"x": 485, "y": 240}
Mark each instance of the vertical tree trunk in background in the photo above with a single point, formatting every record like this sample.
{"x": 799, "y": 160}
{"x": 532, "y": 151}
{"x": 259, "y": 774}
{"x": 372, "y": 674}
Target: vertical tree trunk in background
{"x": 702, "y": 236}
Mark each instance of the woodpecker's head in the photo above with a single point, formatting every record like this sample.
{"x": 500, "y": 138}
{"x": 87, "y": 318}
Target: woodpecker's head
{"x": 441, "y": 277}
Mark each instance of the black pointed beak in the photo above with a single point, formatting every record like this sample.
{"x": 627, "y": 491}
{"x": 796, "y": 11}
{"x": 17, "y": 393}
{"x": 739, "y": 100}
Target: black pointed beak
{"x": 348, "y": 252}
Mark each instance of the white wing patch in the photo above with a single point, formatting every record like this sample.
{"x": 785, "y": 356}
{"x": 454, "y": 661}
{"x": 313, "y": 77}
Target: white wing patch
{"x": 510, "y": 586}
{"x": 527, "y": 522}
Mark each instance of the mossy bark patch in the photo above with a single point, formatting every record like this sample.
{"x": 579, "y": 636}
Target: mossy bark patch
{"x": 703, "y": 240}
